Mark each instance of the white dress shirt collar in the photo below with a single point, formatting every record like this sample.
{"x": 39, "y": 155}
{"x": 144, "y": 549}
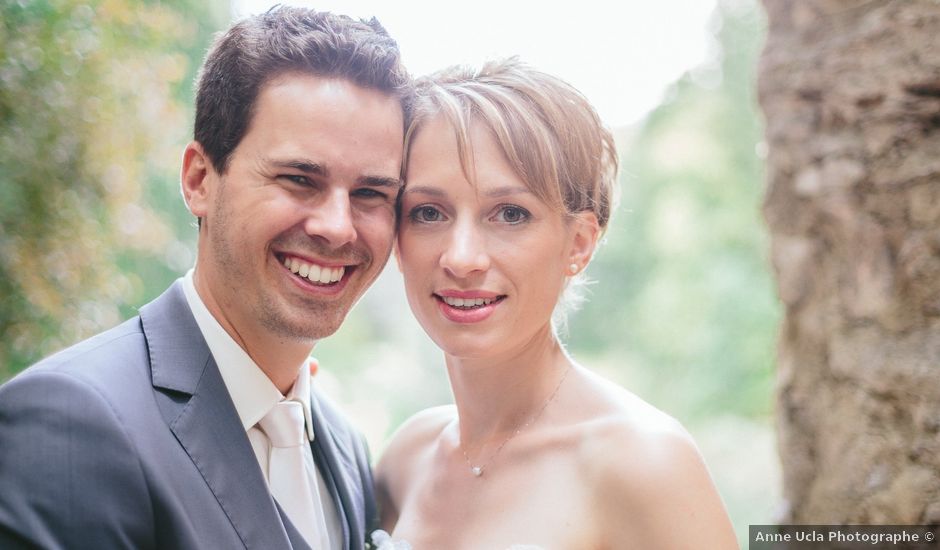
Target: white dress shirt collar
{"x": 251, "y": 390}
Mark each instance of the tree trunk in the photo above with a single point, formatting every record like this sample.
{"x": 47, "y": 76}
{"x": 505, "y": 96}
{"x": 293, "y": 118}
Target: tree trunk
{"x": 851, "y": 95}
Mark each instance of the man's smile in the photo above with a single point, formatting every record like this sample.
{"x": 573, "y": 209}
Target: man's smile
{"x": 315, "y": 273}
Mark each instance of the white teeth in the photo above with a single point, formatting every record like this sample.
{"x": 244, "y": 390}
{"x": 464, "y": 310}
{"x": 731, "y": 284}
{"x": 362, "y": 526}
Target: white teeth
{"x": 467, "y": 302}
{"x": 315, "y": 273}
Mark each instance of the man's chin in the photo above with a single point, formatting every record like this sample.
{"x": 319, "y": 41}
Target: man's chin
{"x": 308, "y": 332}
{"x": 313, "y": 327}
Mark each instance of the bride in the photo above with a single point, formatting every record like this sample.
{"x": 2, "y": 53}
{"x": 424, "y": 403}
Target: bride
{"x": 509, "y": 183}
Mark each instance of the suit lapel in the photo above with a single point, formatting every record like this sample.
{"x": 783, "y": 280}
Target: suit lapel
{"x": 337, "y": 465}
{"x": 296, "y": 539}
{"x": 197, "y": 407}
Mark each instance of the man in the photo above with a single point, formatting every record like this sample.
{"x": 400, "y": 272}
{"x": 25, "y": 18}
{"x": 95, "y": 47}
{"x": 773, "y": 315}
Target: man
{"x": 166, "y": 431}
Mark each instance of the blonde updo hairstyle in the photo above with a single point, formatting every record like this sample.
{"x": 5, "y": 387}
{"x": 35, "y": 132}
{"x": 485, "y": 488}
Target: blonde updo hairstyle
{"x": 546, "y": 129}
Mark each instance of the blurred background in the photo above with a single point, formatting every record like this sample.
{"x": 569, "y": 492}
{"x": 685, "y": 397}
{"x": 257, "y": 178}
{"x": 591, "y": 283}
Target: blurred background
{"x": 96, "y": 107}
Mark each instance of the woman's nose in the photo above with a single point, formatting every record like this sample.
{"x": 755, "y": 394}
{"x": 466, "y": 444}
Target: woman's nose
{"x": 465, "y": 251}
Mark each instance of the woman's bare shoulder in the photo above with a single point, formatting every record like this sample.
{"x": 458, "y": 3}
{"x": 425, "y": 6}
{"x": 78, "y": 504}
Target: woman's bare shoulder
{"x": 415, "y": 435}
{"x": 617, "y": 416}
{"x": 639, "y": 447}
{"x": 424, "y": 425}
{"x": 405, "y": 455}
{"x": 643, "y": 464}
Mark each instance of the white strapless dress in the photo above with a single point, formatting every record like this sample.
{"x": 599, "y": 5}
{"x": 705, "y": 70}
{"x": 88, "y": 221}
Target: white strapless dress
{"x": 383, "y": 541}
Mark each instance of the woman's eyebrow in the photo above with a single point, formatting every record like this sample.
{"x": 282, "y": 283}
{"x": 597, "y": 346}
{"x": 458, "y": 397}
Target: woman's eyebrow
{"x": 507, "y": 190}
{"x": 424, "y": 190}
{"x": 494, "y": 193}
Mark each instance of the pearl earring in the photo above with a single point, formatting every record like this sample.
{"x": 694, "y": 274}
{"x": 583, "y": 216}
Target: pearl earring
{"x": 573, "y": 269}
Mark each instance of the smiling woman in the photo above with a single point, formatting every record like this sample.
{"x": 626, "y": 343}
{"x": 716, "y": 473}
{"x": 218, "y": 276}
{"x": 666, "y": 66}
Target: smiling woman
{"x": 509, "y": 182}
{"x": 463, "y": 225}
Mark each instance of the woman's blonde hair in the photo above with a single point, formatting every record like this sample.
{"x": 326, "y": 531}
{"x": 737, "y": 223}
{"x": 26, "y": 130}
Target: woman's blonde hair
{"x": 547, "y": 130}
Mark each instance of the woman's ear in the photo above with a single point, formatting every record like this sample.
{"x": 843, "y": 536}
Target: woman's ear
{"x": 194, "y": 174}
{"x": 584, "y": 234}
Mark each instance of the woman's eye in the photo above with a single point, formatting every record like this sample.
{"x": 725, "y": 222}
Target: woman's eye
{"x": 512, "y": 214}
{"x": 425, "y": 214}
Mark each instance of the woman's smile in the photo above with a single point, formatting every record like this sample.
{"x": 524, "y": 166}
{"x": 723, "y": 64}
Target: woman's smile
{"x": 483, "y": 257}
{"x": 461, "y": 306}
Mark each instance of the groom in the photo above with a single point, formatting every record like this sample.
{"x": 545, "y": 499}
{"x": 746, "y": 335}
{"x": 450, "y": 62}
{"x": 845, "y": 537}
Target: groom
{"x": 194, "y": 425}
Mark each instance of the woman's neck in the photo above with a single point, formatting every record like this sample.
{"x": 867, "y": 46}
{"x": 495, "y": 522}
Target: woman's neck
{"x": 496, "y": 395}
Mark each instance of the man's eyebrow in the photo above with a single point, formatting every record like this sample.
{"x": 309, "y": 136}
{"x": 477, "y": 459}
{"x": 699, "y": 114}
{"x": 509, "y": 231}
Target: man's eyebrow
{"x": 309, "y": 167}
{"x": 305, "y": 166}
{"x": 380, "y": 181}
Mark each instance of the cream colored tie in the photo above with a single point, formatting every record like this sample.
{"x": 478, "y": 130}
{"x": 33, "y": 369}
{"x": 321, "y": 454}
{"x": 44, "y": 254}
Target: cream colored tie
{"x": 284, "y": 426}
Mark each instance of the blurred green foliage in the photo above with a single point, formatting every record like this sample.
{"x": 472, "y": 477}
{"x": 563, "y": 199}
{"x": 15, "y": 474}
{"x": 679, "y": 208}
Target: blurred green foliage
{"x": 94, "y": 110}
{"x": 682, "y": 310}
{"x": 96, "y": 106}
{"x": 683, "y": 303}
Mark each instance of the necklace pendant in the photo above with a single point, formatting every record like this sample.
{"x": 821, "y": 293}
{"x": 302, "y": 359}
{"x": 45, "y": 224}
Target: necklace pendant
{"x": 477, "y": 471}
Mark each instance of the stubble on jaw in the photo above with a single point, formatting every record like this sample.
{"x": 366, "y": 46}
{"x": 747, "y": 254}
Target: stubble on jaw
{"x": 321, "y": 318}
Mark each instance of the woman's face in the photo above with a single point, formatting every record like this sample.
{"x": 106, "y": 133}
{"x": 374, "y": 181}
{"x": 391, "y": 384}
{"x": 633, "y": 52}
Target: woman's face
{"x": 484, "y": 263}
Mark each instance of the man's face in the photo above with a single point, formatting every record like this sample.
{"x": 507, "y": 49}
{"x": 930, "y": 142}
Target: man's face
{"x": 303, "y": 220}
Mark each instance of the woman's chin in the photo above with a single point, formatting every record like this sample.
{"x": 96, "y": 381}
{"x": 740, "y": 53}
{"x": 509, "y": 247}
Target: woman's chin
{"x": 465, "y": 346}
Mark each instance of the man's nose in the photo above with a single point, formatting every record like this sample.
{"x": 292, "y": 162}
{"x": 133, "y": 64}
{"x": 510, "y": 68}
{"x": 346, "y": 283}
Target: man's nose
{"x": 331, "y": 219}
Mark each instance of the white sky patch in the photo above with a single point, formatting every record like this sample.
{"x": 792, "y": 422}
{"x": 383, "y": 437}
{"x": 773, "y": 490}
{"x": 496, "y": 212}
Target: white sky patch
{"x": 622, "y": 54}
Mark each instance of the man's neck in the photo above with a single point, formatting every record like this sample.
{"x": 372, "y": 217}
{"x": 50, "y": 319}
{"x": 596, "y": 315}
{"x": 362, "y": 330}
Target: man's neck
{"x": 279, "y": 358}
{"x": 282, "y": 363}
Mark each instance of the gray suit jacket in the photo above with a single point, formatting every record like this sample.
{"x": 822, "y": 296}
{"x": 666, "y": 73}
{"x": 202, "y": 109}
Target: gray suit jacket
{"x": 130, "y": 440}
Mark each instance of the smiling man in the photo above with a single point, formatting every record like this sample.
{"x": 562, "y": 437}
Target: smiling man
{"x": 194, "y": 425}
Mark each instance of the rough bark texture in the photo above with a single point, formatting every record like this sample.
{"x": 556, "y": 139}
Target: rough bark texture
{"x": 851, "y": 95}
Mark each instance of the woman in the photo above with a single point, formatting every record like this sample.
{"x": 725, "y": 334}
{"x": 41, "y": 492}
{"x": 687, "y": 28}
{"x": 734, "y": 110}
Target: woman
{"x": 509, "y": 182}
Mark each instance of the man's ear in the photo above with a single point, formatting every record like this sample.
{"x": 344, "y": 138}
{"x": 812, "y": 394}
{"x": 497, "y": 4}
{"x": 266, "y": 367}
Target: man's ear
{"x": 584, "y": 234}
{"x": 193, "y": 179}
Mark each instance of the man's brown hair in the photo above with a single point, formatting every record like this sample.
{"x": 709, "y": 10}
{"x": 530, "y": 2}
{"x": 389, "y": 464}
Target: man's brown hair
{"x": 288, "y": 39}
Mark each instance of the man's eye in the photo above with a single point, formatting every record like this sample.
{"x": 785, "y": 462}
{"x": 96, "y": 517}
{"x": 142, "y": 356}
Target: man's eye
{"x": 512, "y": 214}
{"x": 425, "y": 214}
{"x": 369, "y": 193}
{"x": 297, "y": 179}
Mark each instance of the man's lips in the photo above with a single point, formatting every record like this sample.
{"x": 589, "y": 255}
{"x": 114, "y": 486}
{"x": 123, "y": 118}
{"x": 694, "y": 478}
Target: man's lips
{"x": 313, "y": 271}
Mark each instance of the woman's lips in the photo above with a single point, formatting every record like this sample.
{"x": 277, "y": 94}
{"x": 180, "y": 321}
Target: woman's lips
{"x": 468, "y": 306}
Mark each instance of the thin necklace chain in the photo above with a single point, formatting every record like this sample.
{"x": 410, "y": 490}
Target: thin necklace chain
{"x": 478, "y": 470}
